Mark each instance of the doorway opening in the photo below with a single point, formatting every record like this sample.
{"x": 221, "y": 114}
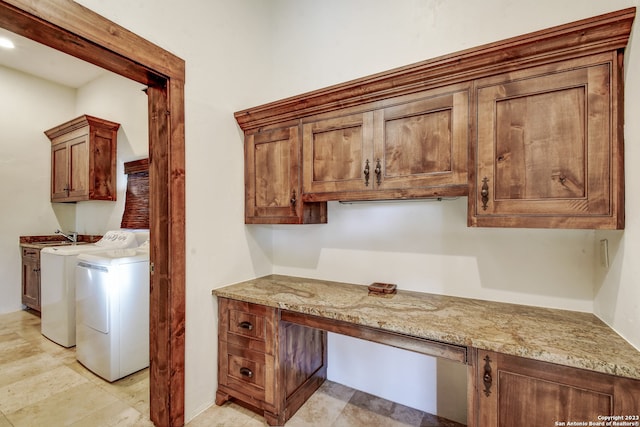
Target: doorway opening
{"x": 73, "y": 29}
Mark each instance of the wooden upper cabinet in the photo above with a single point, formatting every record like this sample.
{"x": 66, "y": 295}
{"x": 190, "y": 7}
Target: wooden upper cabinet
{"x": 272, "y": 180}
{"x": 549, "y": 147}
{"x": 335, "y": 153}
{"x": 83, "y": 160}
{"x": 530, "y": 128}
{"x": 414, "y": 146}
{"x": 424, "y": 144}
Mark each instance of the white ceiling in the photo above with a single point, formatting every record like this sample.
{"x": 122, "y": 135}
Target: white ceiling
{"x": 47, "y": 63}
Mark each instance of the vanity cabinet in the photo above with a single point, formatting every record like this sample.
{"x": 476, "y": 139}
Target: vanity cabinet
{"x": 272, "y": 366}
{"x": 514, "y": 391}
{"x": 83, "y": 160}
{"x": 405, "y": 147}
{"x": 549, "y": 146}
{"x": 31, "y": 277}
{"x": 272, "y": 180}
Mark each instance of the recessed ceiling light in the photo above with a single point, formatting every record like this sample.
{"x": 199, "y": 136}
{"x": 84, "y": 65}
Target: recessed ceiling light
{"x": 6, "y": 43}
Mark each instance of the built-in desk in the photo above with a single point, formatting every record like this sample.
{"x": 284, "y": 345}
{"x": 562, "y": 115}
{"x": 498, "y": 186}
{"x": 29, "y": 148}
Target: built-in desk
{"x": 560, "y": 365}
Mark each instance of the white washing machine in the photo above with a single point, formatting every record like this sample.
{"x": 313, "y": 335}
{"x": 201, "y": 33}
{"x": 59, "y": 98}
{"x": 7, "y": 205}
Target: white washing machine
{"x": 112, "y": 311}
{"x": 57, "y": 276}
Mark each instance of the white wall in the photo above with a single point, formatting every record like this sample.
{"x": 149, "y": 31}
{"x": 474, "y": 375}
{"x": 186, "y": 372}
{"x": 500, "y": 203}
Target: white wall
{"x": 115, "y": 98}
{"x": 243, "y": 53}
{"x": 29, "y": 107}
{"x": 617, "y": 288}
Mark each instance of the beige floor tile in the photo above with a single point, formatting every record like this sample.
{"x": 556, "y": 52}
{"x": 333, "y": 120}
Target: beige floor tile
{"x": 435, "y": 421}
{"x": 13, "y": 347}
{"x": 117, "y": 414}
{"x": 393, "y": 411}
{"x": 21, "y": 369}
{"x": 63, "y": 408}
{"x": 133, "y": 390}
{"x": 36, "y": 388}
{"x": 4, "y": 422}
{"x": 227, "y": 415}
{"x": 325, "y": 404}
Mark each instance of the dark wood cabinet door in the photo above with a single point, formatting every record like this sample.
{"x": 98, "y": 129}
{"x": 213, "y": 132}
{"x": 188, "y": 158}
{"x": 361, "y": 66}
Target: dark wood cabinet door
{"x": 78, "y": 163}
{"x": 548, "y": 153}
{"x": 59, "y": 172}
{"x": 517, "y": 391}
{"x": 421, "y": 145}
{"x": 338, "y": 154}
{"x": 31, "y": 278}
{"x": 272, "y": 180}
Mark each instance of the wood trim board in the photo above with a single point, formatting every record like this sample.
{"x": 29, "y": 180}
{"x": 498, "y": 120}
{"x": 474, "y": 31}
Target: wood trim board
{"x": 73, "y": 29}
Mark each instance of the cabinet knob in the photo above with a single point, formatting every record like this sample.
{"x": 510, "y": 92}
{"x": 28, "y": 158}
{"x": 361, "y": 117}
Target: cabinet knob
{"x": 246, "y": 372}
{"x": 366, "y": 173}
{"x": 246, "y": 325}
{"x": 378, "y": 171}
{"x": 293, "y": 198}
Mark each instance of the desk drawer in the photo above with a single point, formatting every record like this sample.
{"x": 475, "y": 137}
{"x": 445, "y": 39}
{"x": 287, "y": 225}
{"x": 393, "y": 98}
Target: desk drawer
{"x": 31, "y": 253}
{"x": 248, "y": 372}
{"x": 247, "y": 325}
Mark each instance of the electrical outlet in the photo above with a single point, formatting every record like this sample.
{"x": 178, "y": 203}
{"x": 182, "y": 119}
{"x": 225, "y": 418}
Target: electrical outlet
{"x": 604, "y": 253}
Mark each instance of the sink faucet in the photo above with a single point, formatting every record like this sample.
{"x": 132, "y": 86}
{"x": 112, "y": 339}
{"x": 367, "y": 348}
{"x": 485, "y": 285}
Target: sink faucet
{"x": 72, "y": 236}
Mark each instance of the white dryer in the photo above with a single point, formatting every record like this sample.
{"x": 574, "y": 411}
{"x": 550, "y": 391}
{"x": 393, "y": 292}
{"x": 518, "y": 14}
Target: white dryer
{"x": 112, "y": 311}
{"x": 57, "y": 275}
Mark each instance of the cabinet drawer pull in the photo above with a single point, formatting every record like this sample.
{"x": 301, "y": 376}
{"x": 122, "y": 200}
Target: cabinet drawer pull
{"x": 246, "y": 325}
{"x": 366, "y": 173}
{"x": 246, "y": 372}
{"x": 485, "y": 192}
{"x": 486, "y": 378}
{"x": 378, "y": 171}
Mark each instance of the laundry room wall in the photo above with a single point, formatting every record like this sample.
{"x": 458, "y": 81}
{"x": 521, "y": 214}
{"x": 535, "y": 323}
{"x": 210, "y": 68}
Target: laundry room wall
{"x": 28, "y": 106}
{"x": 123, "y": 101}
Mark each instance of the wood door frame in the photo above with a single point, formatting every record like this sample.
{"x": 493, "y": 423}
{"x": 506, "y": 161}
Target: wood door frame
{"x": 71, "y": 28}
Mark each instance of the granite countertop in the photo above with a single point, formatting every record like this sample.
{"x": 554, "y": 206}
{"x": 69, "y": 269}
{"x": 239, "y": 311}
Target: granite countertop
{"x": 40, "y": 242}
{"x": 569, "y": 338}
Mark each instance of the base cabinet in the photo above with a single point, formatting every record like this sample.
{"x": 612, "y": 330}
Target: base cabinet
{"x": 31, "y": 278}
{"x": 271, "y": 366}
{"x": 514, "y": 391}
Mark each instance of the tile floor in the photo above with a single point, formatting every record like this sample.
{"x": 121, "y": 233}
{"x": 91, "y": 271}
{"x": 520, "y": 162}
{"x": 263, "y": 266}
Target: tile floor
{"x": 42, "y": 384}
